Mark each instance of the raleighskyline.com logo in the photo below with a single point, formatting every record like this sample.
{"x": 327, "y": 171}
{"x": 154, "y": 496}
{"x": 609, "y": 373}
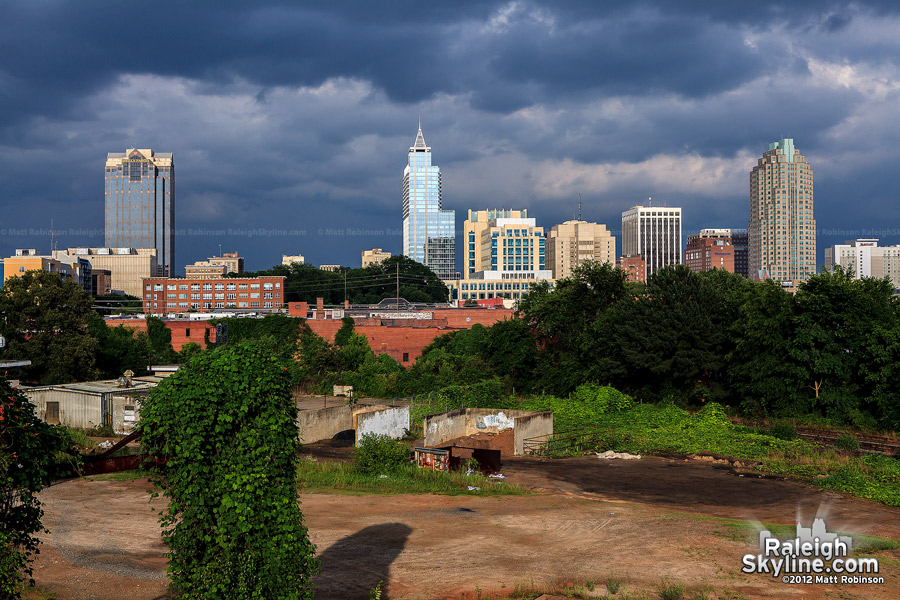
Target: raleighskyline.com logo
{"x": 813, "y": 556}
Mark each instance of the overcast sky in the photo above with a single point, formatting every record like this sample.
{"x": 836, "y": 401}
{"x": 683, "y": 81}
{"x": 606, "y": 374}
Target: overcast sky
{"x": 291, "y": 124}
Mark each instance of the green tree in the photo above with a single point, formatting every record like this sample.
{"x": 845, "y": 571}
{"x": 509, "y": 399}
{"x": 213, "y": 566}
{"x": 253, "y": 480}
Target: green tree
{"x": 28, "y": 455}
{"x": 160, "y": 336}
{"x": 224, "y": 435}
{"x": 45, "y": 320}
{"x": 119, "y": 349}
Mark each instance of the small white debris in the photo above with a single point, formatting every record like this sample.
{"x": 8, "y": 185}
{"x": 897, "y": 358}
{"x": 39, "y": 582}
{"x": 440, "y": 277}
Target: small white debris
{"x": 104, "y": 444}
{"x": 623, "y": 455}
{"x": 382, "y": 477}
{"x": 497, "y": 476}
{"x": 472, "y": 488}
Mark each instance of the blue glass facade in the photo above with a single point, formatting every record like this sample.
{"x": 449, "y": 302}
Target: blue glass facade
{"x": 429, "y": 233}
{"x": 140, "y": 204}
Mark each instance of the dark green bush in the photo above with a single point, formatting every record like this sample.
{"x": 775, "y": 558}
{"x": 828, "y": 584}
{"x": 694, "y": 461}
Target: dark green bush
{"x": 381, "y": 454}
{"x": 783, "y": 431}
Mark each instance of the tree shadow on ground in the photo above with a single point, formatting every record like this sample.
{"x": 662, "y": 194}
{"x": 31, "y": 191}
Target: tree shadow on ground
{"x": 354, "y": 565}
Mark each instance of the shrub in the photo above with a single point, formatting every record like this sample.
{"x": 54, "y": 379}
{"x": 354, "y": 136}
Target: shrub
{"x": 30, "y": 455}
{"x": 225, "y": 428}
{"x": 381, "y": 454}
{"x": 783, "y": 431}
{"x": 846, "y": 442}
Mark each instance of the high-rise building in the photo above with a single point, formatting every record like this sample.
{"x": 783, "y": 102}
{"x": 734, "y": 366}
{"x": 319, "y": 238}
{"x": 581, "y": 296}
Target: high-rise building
{"x": 865, "y": 258}
{"x": 140, "y": 203}
{"x": 654, "y": 232}
{"x": 429, "y": 232}
{"x": 710, "y": 249}
{"x": 503, "y": 240}
{"x": 782, "y": 232}
{"x": 573, "y": 243}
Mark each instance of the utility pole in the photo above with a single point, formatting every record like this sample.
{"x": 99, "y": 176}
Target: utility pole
{"x": 398, "y": 286}
{"x": 345, "y": 287}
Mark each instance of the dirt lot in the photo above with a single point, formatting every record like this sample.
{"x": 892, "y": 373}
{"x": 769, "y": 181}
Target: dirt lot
{"x": 638, "y": 520}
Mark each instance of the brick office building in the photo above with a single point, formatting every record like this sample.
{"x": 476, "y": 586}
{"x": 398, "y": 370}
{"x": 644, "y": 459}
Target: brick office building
{"x": 163, "y": 295}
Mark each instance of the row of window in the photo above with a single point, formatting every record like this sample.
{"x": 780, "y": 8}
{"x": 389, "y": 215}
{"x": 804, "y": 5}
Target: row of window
{"x": 158, "y": 287}
{"x": 197, "y": 305}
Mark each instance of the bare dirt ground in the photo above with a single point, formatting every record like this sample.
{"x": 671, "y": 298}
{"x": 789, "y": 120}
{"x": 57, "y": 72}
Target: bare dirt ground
{"x": 641, "y": 521}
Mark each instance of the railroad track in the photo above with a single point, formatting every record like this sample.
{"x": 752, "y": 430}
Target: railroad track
{"x": 867, "y": 443}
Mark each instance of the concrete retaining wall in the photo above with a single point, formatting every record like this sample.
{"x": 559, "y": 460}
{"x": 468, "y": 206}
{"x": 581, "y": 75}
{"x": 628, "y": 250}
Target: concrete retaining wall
{"x": 521, "y": 424}
{"x": 324, "y": 423}
{"x": 392, "y": 422}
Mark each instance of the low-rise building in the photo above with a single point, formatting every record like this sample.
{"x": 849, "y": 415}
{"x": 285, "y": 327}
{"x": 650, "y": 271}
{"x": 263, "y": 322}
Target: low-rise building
{"x": 101, "y": 282}
{"x": 289, "y": 259}
{"x": 485, "y": 285}
{"x": 28, "y": 259}
{"x": 215, "y": 266}
{"x": 332, "y": 268}
{"x": 162, "y": 295}
{"x": 374, "y": 256}
{"x": 127, "y": 266}
{"x": 634, "y": 266}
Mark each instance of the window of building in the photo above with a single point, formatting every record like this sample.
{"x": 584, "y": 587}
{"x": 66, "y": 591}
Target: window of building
{"x": 220, "y": 296}
{"x": 220, "y": 286}
{"x": 182, "y": 286}
{"x": 406, "y": 357}
{"x": 207, "y": 286}
{"x": 231, "y": 286}
{"x": 267, "y": 286}
{"x": 231, "y": 296}
{"x": 254, "y": 286}
{"x": 242, "y": 286}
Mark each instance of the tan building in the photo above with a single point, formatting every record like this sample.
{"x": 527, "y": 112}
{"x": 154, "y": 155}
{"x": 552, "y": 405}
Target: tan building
{"x": 634, "y": 266}
{"x": 573, "y": 243}
{"x": 289, "y": 259}
{"x": 710, "y": 249}
{"x": 332, "y": 268}
{"x": 782, "y": 228}
{"x": 126, "y": 266}
{"x": 215, "y": 266}
{"x": 374, "y": 256}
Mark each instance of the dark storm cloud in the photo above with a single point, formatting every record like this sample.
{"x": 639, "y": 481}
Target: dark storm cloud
{"x": 297, "y": 116}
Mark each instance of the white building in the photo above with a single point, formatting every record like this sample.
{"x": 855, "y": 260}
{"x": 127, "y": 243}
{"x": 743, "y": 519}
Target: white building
{"x": 866, "y": 259}
{"x": 654, "y": 232}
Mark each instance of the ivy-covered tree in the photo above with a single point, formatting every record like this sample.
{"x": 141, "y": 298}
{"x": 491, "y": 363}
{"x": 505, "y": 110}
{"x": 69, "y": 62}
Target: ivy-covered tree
{"x": 29, "y": 449}
{"x": 223, "y": 433}
{"x": 45, "y": 320}
{"x": 119, "y": 349}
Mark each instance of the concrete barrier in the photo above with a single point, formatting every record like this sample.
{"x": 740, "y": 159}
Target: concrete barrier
{"x": 521, "y": 424}
{"x": 390, "y": 421}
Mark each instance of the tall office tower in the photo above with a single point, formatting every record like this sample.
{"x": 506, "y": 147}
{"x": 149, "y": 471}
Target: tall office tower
{"x": 739, "y": 240}
{"x": 140, "y": 203}
{"x": 475, "y": 225}
{"x": 782, "y": 229}
{"x": 654, "y": 232}
{"x": 429, "y": 233}
{"x": 573, "y": 243}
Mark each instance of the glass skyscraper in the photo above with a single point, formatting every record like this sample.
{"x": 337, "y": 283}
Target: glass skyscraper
{"x": 140, "y": 203}
{"x": 429, "y": 233}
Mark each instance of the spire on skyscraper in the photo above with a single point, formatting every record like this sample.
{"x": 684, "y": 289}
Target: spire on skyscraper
{"x": 420, "y": 139}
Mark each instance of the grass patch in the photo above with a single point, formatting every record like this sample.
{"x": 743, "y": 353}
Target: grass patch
{"x": 346, "y": 478}
{"x": 130, "y": 475}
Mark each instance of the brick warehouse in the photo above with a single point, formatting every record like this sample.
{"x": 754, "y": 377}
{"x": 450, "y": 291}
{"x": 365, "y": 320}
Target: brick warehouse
{"x": 403, "y": 339}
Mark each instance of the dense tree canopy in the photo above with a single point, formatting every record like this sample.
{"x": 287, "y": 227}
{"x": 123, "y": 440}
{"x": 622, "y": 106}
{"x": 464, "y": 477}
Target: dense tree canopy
{"x": 371, "y": 285}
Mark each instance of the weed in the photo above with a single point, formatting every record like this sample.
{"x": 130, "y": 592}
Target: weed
{"x": 783, "y": 431}
{"x": 671, "y": 591}
{"x": 613, "y": 584}
{"x": 847, "y": 442}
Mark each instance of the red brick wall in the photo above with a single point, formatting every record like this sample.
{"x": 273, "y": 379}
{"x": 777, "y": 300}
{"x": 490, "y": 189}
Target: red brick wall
{"x": 408, "y": 340}
{"x": 182, "y": 331}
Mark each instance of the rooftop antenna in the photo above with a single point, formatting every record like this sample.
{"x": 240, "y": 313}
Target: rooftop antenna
{"x": 579, "y": 206}
{"x": 220, "y": 250}
{"x": 51, "y": 236}
{"x": 650, "y": 201}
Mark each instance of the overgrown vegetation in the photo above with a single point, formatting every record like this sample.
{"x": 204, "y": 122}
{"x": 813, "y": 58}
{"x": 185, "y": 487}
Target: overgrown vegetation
{"x": 225, "y": 425}
{"x": 348, "y": 478}
{"x": 32, "y": 455}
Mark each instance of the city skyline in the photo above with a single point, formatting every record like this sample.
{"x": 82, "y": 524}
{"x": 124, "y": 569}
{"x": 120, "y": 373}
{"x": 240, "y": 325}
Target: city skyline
{"x": 530, "y": 104}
